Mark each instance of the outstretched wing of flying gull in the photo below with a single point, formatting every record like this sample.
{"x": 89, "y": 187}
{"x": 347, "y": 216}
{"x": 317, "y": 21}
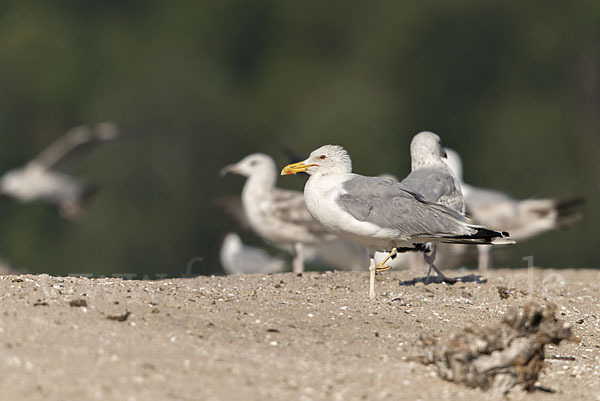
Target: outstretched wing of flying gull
{"x": 75, "y": 141}
{"x": 40, "y": 179}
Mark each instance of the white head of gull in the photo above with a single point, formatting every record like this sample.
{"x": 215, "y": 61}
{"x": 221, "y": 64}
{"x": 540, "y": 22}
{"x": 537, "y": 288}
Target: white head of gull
{"x": 426, "y": 150}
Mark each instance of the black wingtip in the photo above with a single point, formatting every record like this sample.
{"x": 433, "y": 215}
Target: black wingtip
{"x": 485, "y": 234}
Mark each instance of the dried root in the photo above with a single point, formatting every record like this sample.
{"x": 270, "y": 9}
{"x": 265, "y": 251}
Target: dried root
{"x": 500, "y": 356}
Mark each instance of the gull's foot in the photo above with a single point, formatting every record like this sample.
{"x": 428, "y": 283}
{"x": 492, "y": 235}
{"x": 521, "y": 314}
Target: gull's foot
{"x": 440, "y": 279}
{"x": 379, "y": 269}
{"x": 450, "y": 280}
{"x": 381, "y": 266}
{"x": 441, "y": 276}
{"x": 444, "y": 278}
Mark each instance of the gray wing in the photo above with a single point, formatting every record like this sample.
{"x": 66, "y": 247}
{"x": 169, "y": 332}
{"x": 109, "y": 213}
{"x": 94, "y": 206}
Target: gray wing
{"x": 480, "y": 196}
{"x": 290, "y": 207}
{"x": 490, "y": 207}
{"x": 389, "y": 204}
{"x": 436, "y": 185}
{"x": 74, "y": 141}
{"x": 523, "y": 218}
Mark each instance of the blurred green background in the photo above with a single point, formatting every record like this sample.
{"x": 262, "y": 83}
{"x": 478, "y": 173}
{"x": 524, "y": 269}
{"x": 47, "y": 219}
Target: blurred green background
{"x": 513, "y": 86}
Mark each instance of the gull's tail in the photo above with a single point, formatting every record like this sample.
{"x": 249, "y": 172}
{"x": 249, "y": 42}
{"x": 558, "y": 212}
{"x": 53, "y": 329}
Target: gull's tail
{"x": 482, "y": 235}
{"x": 469, "y": 233}
{"x": 536, "y": 216}
{"x": 569, "y": 210}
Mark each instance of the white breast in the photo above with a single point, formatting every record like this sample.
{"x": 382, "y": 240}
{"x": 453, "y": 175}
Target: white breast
{"x": 321, "y": 193}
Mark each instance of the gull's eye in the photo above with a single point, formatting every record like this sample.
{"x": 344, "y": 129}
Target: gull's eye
{"x": 322, "y": 157}
{"x": 253, "y": 163}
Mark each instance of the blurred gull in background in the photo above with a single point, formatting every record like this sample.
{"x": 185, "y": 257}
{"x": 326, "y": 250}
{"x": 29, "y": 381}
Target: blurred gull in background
{"x": 378, "y": 213}
{"x": 279, "y": 216}
{"x": 237, "y": 258}
{"x": 431, "y": 178}
{"x": 337, "y": 254}
{"x": 41, "y": 180}
{"x": 522, "y": 218}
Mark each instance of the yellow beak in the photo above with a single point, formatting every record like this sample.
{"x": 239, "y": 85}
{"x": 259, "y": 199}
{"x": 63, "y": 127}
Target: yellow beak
{"x": 294, "y": 168}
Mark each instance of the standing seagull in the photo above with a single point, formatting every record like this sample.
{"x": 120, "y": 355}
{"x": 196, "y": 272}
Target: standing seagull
{"x": 523, "y": 218}
{"x": 431, "y": 178}
{"x": 237, "y": 258}
{"x": 41, "y": 180}
{"x": 339, "y": 254}
{"x": 278, "y": 215}
{"x": 379, "y": 213}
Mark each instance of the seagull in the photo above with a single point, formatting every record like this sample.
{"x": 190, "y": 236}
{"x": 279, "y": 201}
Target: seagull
{"x": 41, "y": 179}
{"x": 378, "y": 213}
{"x": 431, "y": 178}
{"x": 237, "y": 258}
{"x": 338, "y": 254}
{"x": 523, "y": 218}
{"x": 279, "y": 216}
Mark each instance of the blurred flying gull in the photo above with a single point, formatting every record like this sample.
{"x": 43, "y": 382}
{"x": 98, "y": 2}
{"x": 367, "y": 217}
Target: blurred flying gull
{"x": 522, "y": 218}
{"x": 379, "y": 213}
{"x": 431, "y": 178}
{"x": 238, "y": 258}
{"x": 42, "y": 179}
{"x": 279, "y": 216}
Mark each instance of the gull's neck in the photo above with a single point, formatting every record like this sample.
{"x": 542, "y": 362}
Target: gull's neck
{"x": 262, "y": 180}
{"x": 258, "y": 187}
{"x": 422, "y": 162}
{"x": 323, "y": 181}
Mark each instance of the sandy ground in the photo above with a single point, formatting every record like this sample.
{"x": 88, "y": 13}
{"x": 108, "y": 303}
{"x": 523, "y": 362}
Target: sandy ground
{"x": 277, "y": 337}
